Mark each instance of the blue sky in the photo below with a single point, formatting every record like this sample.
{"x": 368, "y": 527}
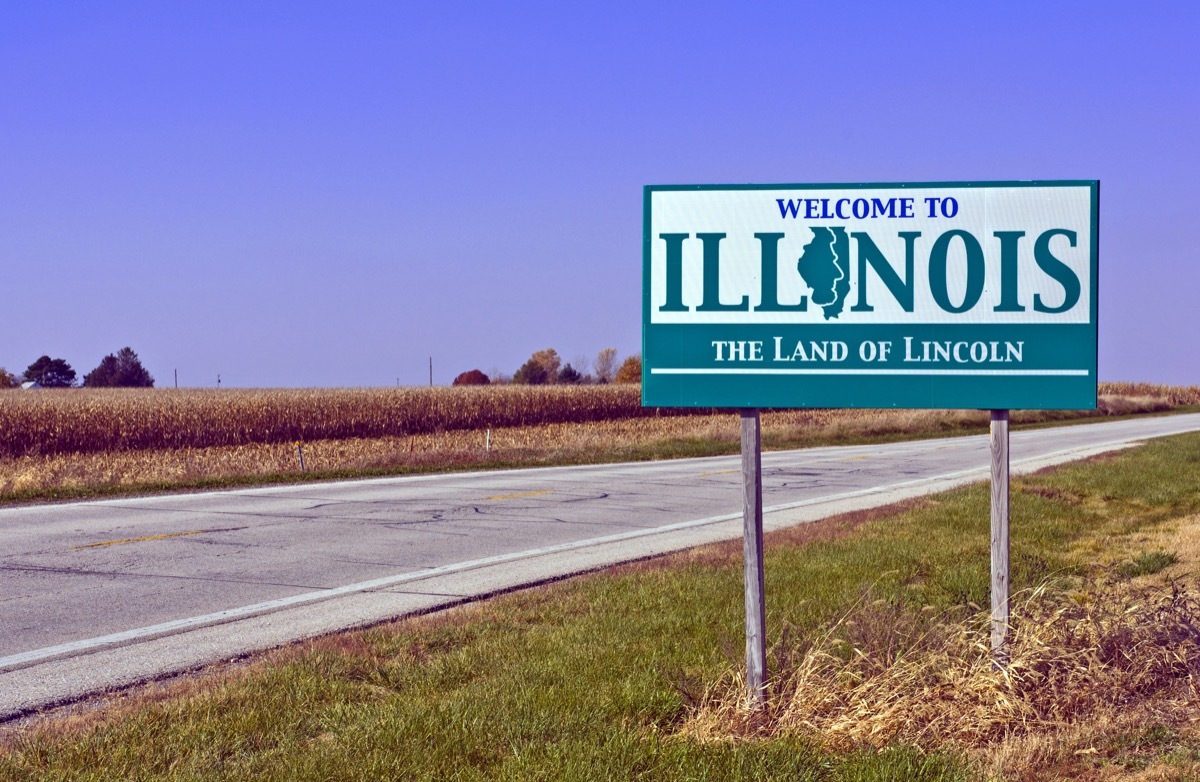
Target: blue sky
{"x": 327, "y": 194}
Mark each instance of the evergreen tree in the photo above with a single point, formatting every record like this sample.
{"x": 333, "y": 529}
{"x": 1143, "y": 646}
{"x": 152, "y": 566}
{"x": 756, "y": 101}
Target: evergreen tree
{"x": 51, "y": 373}
{"x": 123, "y": 370}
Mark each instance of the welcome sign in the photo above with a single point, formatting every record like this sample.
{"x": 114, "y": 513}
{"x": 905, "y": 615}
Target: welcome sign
{"x": 944, "y": 295}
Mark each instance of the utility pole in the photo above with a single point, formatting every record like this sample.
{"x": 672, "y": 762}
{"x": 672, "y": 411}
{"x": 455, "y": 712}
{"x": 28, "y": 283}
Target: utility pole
{"x": 431, "y": 371}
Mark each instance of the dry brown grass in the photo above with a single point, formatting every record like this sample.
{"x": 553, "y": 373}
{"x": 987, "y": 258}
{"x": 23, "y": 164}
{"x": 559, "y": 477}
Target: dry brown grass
{"x": 891, "y": 675}
{"x": 1090, "y": 667}
{"x": 85, "y": 439}
{"x": 540, "y": 443}
{"x": 1176, "y": 396}
{"x": 78, "y": 421}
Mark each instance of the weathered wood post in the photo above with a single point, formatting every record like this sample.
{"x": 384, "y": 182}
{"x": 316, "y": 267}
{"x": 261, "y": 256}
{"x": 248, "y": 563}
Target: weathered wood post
{"x": 999, "y": 448}
{"x": 756, "y": 619}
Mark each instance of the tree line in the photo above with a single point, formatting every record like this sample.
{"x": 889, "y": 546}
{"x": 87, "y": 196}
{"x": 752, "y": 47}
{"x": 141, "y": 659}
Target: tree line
{"x": 122, "y": 369}
{"x": 546, "y": 367}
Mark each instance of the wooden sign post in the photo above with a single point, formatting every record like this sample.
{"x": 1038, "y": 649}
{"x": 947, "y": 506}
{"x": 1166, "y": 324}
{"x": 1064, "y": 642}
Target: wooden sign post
{"x": 756, "y": 618}
{"x": 999, "y": 449}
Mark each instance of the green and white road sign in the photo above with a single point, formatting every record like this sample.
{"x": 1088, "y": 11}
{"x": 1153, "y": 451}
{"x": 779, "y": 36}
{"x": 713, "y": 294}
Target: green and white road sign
{"x": 947, "y": 295}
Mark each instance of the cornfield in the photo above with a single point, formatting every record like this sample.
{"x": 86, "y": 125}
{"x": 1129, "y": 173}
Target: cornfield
{"x": 79, "y": 440}
{"x": 81, "y": 421}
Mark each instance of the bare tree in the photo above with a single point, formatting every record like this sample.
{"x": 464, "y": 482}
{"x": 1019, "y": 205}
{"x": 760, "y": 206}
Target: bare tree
{"x": 581, "y": 363}
{"x": 605, "y": 365}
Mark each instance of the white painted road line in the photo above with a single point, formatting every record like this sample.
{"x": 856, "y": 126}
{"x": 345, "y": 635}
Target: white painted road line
{"x": 296, "y": 562}
{"x": 74, "y": 648}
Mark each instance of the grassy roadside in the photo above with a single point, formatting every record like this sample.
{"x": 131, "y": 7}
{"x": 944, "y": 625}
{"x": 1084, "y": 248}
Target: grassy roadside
{"x": 622, "y": 674}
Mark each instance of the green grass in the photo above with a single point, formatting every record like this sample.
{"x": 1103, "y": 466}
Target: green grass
{"x": 591, "y": 678}
{"x": 1148, "y": 563}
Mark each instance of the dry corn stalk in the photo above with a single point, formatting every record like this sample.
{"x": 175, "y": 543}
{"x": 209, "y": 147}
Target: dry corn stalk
{"x": 1072, "y": 660}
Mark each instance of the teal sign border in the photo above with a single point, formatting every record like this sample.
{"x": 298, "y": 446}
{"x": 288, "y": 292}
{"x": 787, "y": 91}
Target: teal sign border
{"x": 675, "y": 375}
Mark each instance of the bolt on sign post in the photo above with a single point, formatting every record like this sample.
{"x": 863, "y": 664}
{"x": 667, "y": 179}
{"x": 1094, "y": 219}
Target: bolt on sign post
{"x": 961, "y": 295}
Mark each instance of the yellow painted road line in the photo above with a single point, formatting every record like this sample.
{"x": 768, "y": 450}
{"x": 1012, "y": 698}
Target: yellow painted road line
{"x": 854, "y": 458}
{"x": 520, "y": 494}
{"x": 139, "y": 540}
{"x": 721, "y": 472}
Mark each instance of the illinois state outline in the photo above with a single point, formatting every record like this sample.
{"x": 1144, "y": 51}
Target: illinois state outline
{"x": 825, "y": 267}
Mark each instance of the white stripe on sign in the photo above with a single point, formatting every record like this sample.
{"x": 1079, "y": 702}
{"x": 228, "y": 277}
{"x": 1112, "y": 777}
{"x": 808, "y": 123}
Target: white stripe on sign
{"x": 948, "y": 372}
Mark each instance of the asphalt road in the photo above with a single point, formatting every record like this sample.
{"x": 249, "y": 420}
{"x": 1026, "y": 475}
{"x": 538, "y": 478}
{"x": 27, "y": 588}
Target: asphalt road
{"x": 99, "y": 595}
